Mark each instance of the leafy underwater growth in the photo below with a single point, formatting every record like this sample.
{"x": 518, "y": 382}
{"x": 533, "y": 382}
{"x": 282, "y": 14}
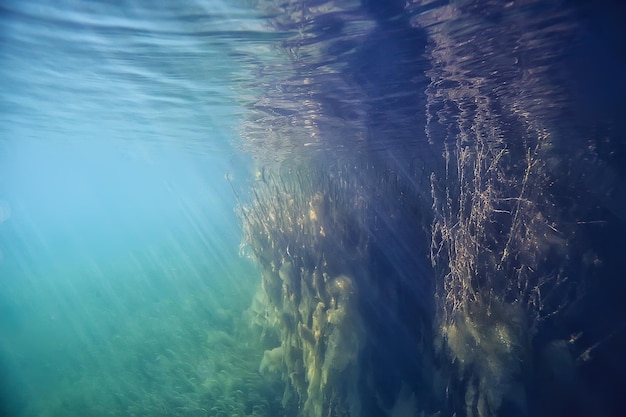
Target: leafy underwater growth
{"x": 298, "y": 228}
{"x": 455, "y": 113}
{"x": 183, "y": 353}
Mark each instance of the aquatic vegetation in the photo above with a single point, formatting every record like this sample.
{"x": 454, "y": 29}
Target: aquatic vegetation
{"x": 297, "y": 228}
{"x": 439, "y": 158}
{"x": 182, "y": 355}
{"x": 433, "y": 230}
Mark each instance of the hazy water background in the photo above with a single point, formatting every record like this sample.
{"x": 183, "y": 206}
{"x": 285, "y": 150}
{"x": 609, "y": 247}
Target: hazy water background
{"x": 119, "y": 241}
{"x": 122, "y": 285}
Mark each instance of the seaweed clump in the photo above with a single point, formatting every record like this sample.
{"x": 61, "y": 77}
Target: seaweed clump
{"x": 302, "y": 229}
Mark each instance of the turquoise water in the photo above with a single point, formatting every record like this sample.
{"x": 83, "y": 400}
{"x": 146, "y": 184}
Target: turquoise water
{"x": 312, "y": 209}
{"x": 122, "y": 283}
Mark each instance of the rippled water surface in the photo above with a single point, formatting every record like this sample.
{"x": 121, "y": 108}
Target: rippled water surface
{"x": 312, "y": 208}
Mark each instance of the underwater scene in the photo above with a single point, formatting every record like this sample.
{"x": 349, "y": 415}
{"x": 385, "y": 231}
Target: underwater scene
{"x": 312, "y": 208}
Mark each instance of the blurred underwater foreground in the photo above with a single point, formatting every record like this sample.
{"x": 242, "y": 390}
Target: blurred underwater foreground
{"x": 356, "y": 208}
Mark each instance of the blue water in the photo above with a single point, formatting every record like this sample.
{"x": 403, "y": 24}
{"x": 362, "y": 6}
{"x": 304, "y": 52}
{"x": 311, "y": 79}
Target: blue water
{"x": 119, "y": 239}
{"x": 309, "y": 208}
